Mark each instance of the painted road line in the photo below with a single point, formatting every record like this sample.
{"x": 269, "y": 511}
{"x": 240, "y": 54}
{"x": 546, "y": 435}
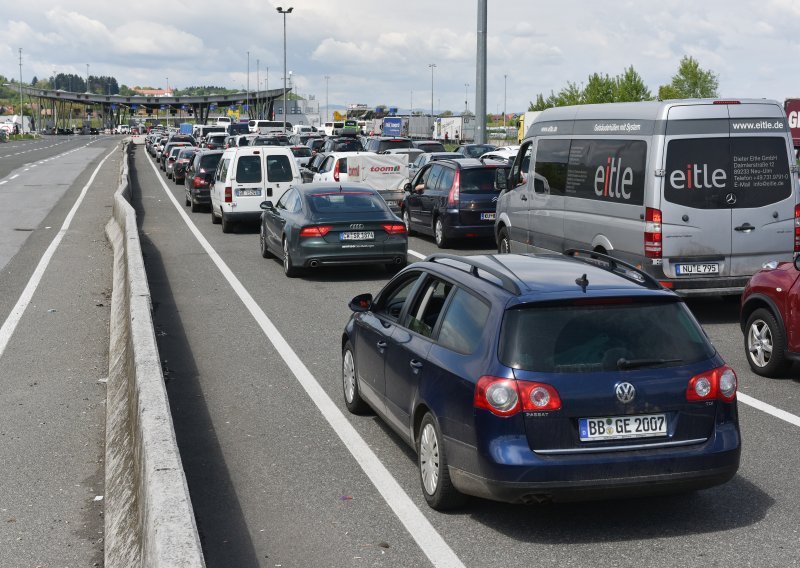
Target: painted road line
{"x": 7, "y": 331}
{"x": 769, "y": 409}
{"x": 415, "y": 253}
{"x": 15, "y": 176}
{"x": 429, "y": 540}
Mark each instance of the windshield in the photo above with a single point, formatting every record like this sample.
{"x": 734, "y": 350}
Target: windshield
{"x": 478, "y": 150}
{"x": 483, "y": 180}
{"x": 570, "y": 338}
{"x": 346, "y": 202}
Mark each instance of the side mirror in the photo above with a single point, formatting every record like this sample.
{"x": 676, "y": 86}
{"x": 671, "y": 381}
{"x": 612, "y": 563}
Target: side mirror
{"x": 407, "y": 187}
{"x": 361, "y": 303}
{"x": 267, "y": 205}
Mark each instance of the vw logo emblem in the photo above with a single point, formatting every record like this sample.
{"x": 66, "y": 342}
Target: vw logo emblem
{"x": 625, "y": 392}
{"x": 730, "y": 199}
{"x": 357, "y": 226}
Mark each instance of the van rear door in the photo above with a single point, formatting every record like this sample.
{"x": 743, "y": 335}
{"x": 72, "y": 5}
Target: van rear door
{"x": 763, "y": 214}
{"x": 695, "y": 218}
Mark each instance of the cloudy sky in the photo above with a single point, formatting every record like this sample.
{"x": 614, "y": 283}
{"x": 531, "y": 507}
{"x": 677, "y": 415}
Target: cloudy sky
{"x": 378, "y": 52}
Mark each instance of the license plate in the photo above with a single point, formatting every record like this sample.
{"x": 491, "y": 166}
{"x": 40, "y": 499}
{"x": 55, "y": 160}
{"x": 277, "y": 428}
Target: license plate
{"x": 622, "y": 427}
{"x": 698, "y": 268}
{"x": 487, "y": 216}
{"x": 248, "y": 192}
{"x": 391, "y": 203}
{"x": 357, "y": 236}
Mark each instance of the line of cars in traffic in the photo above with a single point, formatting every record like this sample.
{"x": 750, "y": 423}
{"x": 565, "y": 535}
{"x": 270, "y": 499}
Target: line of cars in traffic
{"x": 572, "y": 373}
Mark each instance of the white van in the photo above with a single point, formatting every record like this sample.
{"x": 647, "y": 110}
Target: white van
{"x": 699, "y": 193}
{"x": 245, "y": 177}
{"x": 266, "y": 127}
{"x": 223, "y": 121}
{"x": 329, "y": 127}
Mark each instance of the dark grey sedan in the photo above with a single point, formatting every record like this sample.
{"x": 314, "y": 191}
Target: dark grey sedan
{"x": 319, "y": 224}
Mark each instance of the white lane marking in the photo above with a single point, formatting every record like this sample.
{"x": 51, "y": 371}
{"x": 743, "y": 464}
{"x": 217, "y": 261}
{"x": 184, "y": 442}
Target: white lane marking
{"x": 769, "y": 409}
{"x": 15, "y": 316}
{"x": 415, "y": 253}
{"x": 4, "y": 181}
{"x": 429, "y": 540}
{"x": 15, "y": 176}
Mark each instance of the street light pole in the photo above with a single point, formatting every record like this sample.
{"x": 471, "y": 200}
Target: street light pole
{"x": 432, "y": 66}
{"x": 87, "y": 79}
{"x": 247, "y": 96}
{"x": 284, "y": 12}
{"x": 258, "y": 88}
{"x": 327, "y": 77}
{"x": 505, "y": 83}
{"x": 466, "y": 98}
{"x": 21, "y": 120}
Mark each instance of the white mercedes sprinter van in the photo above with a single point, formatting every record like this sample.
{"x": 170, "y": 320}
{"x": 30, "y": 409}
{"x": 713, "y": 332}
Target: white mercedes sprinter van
{"x": 699, "y": 193}
{"x": 246, "y": 176}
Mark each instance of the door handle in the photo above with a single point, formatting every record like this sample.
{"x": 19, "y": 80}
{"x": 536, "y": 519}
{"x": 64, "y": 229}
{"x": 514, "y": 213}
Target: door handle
{"x": 746, "y": 228}
{"x": 415, "y": 364}
{"x": 381, "y": 345}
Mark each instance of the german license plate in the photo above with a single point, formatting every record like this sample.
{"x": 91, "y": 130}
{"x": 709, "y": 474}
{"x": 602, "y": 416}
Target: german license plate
{"x": 357, "y": 236}
{"x": 622, "y": 427}
{"x": 248, "y": 192}
{"x": 697, "y": 268}
{"x": 391, "y": 203}
{"x": 487, "y": 216}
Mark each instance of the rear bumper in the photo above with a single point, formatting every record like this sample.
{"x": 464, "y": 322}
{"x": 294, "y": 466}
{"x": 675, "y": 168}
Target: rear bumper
{"x": 201, "y": 196}
{"x": 319, "y": 253}
{"x": 706, "y": 286}
{"x": 242, "y": 216}
{"x": 453, "y": 228}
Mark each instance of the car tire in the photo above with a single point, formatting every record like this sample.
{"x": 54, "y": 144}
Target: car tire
{"x": 352, "y": 394}
{"x": 438, "y": 233}
{"x": 288, "y": 268}
{"x": 227, "y": 224}
{"x": 407, "y": 221}
{"x": 263, "y": 244}
{"x": 434, "y": 475}
{"x": 195, "y": 206}
{"x": 214, "y": 219}
{"x": 765, "y": 344}
{"x": 503, "y": 242}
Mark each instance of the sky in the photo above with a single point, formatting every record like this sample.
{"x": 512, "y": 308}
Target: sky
{"x": 378, "y": 52}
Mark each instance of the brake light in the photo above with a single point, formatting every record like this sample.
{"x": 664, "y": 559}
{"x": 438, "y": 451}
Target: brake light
{"x": 336, "y": 171}
{"x": 652, "y": 233}
{"x": 719, "y": 383}
{"x": 315, "y": 231}
{"x": 797, "y": 228}
{"x": 198, "y": 182}
{"x": 228, "y": 195}
{"x": 395, "y": 228}
{"x": 453, "y": 197}
{"x": 727, "y": 102}
{"x": 506, "y": 397}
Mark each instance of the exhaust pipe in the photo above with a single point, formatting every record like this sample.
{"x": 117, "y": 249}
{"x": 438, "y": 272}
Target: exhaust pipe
{"x": 313, "y": 263}
{"x": 398, "y": 260}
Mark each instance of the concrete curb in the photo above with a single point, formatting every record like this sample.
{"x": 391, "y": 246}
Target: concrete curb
{"x": 149, "y": 520}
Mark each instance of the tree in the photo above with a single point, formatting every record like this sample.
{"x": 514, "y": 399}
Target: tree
{"x": 690, "y": 82}
{"x": 34, "y": 80}
{"x": 599, "y": 89}
{"x": 630, "y": 87}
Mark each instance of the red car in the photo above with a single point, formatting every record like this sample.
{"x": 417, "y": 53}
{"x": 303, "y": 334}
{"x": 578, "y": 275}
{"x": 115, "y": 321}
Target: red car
{"x": 770, "y": 318}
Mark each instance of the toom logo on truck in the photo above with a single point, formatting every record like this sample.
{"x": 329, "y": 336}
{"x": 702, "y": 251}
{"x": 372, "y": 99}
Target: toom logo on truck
{"x": 792, "y": 108}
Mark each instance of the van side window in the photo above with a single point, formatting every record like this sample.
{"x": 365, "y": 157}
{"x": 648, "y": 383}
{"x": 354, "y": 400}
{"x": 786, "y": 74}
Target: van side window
{"x": 279, "y": 168}
{"x": 550, "y": 173}
{"x": 518, "y": 175}
{"x": 609, "y": 169}
{"x": 248, "y": 169}
{"x": 222, "y": 170}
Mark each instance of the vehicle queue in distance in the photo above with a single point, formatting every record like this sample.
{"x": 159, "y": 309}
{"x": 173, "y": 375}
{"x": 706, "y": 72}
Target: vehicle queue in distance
{"x": 511, "y": 375}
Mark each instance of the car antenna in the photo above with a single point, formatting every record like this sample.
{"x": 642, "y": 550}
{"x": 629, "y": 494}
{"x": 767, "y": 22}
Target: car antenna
{"x": 583, "y": 282}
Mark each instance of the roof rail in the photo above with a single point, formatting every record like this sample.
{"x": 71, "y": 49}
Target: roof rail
{"x": 616, "y": 266}
{"x": 508, "y": 283}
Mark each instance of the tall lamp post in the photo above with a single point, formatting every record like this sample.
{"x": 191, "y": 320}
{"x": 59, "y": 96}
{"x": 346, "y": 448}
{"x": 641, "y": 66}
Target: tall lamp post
{"x": 432, "y": 66}
{"x": 284, "y": 12}
{"x": 466, "y": 98}
{"x": 505, "y": 83}
{"x": 327, "y": 77}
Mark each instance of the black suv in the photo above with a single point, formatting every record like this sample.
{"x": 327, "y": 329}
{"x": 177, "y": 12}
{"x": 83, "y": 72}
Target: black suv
{"x": 342, "y": 144}
{"x": 378, "y": 144}
{"x": 454, "y": 199}
{"x": 526, "y": 378}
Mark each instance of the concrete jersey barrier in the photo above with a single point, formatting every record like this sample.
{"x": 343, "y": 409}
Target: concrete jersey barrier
{"x": 149, "y": 520}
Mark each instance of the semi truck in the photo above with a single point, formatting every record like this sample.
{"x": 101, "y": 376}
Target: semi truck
{"x": 455, "y": 128}
{"x": 525, "y": 120}
{"x": 792, "y": 109}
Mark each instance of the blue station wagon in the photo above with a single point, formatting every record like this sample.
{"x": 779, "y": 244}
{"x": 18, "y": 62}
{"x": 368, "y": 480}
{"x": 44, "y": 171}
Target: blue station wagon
{"x": 525, "y": 378}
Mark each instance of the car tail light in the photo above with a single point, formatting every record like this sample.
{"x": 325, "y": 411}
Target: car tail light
{"x": 198, "y": 182}
{"x": 719, "y": 383}
{"x": 453, "y": 197}
{"x": 652, "y": 233}
{"x": 228, "y": 195}
{"x": 395, "y": 228}
{"x": 797, "y": 228}
{"x": 315, "y": 231}
{"x": 506, "y": 397}
{"x": 336, "y": 171}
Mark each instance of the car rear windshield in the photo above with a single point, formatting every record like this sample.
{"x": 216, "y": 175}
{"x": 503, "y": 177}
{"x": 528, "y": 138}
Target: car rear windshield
{"x": 279, "y": 168}
{"x": 248, "y": 169}
{"x": 209, "y": 163}
{"x": 391, "y": 144}
{"x": 301, "y": 152}
{"x": 431, "y": 147}
{"x": 483, "y": 180}
{"x": 348, "y": 145}
{"x": 478, "y": 150}
{"x": 727, "y": 173}
{"x": 346, "y": 202}
{"x": 577, "y": 338}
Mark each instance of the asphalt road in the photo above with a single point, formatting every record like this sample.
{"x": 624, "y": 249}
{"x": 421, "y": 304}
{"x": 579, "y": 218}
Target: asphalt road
{"x": 55, "y": 284}
{"x": 274, "y": 482}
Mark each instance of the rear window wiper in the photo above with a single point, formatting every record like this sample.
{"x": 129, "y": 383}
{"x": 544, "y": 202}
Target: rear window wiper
{"x": 623, "y": 363}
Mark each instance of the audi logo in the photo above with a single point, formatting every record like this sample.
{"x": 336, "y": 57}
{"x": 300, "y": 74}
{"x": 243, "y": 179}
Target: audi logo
{"x": 357, "y": 226}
